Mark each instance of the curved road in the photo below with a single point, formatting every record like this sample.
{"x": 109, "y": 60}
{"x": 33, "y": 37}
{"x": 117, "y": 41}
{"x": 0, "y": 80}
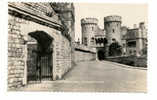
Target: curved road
{"x": 97, "y": 76}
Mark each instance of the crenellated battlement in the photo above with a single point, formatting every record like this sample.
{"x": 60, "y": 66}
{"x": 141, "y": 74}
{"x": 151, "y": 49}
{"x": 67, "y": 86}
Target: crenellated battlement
{"x": 89, "y": 21}
{"x": 112, "y": 18}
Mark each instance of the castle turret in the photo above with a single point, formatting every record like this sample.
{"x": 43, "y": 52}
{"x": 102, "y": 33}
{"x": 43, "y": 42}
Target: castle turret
{"x": 89, "y": 29}
{"x": 112, "y": 25}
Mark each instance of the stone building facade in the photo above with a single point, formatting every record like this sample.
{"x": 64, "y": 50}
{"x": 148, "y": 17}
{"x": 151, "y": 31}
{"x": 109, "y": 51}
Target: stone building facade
{"x": 136, "y": 40}
{"x": 100, "y": 44}
{"x": 124, "y": 31}
{"x": 114, "y": 39}
{"x": 102, "y": 39}
{"x": 112, "y": 25}
{"x": 93, "y": 36}
{"x": 37, "y": 37}
{"x": 89, "y": 28}
{"x": 66, "y": 13}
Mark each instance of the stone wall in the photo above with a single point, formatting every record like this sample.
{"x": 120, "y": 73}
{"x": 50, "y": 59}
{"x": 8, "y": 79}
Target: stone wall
{"x": 18, "y": 30}
{"x": 84, "y": 55}
{"x": 16, "y": 53}
{"x": 63, "y": 57}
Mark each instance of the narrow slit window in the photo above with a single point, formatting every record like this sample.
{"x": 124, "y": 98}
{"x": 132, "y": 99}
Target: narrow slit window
{"x": 113, "y": 30}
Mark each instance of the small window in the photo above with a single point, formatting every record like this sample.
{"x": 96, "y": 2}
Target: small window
{"x": 130, "y": 52}
{"x": 131, "y": 44}
{"x": 92, "y": 28}
{"x": 113, "y": 30}
{"x": 108, "y": 25}
{"x": 92, "y": 40}
{"x": 85, "y": 41}
{"x": 113, "y": 39}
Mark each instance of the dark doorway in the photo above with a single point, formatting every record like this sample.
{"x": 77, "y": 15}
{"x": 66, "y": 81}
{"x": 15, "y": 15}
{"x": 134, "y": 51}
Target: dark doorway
{"x": 44, "y": 65}
{"x": 40, "y": 54}
{"x": 115, "y": 49}
{"x": 101, "y": 55}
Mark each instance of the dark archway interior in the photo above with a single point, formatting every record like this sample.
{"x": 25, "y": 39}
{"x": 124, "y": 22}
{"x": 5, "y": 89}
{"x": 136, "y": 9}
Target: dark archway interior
{"x": 101, "y": 55}
{"x": 101, "y": 40}
{"x": 42, "y": 57}
{"x": 115, "y": 49}
{"x": 43, "y": 39}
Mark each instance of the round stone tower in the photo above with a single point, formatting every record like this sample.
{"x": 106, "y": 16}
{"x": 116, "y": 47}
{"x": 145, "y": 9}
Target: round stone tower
{"x": 112, "y": 25}
{"x": 89, "y": 29}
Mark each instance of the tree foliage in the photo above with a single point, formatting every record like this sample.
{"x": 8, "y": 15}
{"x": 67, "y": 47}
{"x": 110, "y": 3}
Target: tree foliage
{"x": 115, "y": 49}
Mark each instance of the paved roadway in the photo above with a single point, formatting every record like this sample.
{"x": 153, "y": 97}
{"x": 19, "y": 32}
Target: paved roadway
{"x": 97, "y": 76}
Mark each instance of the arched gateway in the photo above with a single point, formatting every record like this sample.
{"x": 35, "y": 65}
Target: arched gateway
{"x": 101, "y": 54}
{"x": 40, "y": 57}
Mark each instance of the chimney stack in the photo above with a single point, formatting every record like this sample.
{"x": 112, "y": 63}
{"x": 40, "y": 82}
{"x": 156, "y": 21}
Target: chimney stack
{"x": 142, "y": 25}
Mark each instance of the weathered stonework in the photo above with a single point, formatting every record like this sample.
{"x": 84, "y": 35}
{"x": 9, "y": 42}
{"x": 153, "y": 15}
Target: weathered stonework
{"x": 112, "y": 25}
{"x": 16, "y": 53}
{"x": 89, "y": 30}
{"x": 20, "y": 26}
{"x": 84, "y": 53}
{"x": 66, "y": 13}
{"x": 138, "y": 38}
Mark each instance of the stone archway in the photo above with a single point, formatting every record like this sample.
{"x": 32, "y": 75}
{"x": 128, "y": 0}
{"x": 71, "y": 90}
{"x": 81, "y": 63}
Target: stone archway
{"x": 115, "y": 49}
{"x": 41, "y": 53}
{"x": 101, "y": 55}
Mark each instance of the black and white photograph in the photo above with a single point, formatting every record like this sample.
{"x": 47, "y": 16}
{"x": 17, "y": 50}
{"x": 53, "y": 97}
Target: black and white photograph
{"x": 77, "y": 47}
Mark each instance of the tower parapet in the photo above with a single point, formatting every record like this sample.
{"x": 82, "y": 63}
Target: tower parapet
{"x": 89, "y": 21}
{"x": 89, "y": 28}
{"x": 113, "y": 18}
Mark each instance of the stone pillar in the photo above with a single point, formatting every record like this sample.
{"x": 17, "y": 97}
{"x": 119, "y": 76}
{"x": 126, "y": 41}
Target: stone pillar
{"x": 96, "y": 54}
{"x": 25, "y": 65}
{"x": 139, "y": 43}
{"x": 106, "y": 51}
{"x": 139, "y": 47}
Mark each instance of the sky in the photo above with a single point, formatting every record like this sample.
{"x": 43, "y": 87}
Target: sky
{"x": 131, "y": 14}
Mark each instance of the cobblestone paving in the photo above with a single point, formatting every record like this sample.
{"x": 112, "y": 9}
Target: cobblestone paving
{"x": 96, "y": 76}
